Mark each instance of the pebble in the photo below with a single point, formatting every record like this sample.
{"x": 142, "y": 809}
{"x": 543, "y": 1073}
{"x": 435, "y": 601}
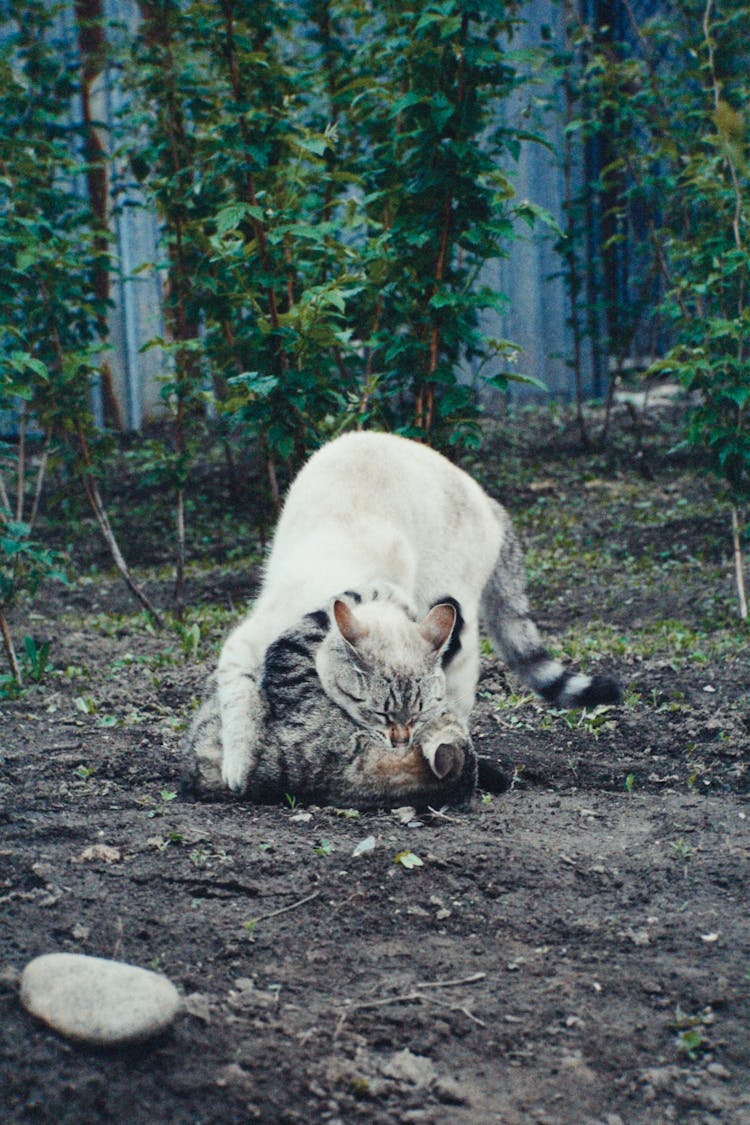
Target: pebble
{"x": 405, "y": 1066}
{"x": 93, "y": 1000}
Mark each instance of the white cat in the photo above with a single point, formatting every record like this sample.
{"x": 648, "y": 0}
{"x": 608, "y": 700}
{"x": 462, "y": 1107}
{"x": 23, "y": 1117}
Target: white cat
{"x": 373, "y": 510}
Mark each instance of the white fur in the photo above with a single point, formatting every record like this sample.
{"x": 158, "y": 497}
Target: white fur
{"x": 366, "y": 509}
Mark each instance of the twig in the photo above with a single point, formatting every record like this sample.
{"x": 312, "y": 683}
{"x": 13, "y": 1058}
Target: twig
{"x": 10, "y": 650}
{"x": 472, "y": 979}
{"x": 282, "y": 910}
{"x": 410, "y": 997}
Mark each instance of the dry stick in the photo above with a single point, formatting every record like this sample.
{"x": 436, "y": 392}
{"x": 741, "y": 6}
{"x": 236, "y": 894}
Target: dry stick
{"x": 95, "y": 500}
{"x": 471, "y": 979}
{"x": 416, "y": 994}
{"x": 10, "y": 650}
{"x": 282, "y": 909}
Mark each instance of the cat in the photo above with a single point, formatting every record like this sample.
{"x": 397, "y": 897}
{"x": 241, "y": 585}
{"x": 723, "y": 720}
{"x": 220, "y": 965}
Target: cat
{"x": 374, "y": 509}
{"x": 313, "y": 750}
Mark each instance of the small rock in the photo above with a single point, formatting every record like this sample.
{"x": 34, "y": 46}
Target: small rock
{"x": 232, "y": 1075}
{"x": 405, "y": 1066}
{"x": 43, "y": 871}
{"x": 98, "y": 852}
{"x": 301, "y": 818}
{"x": 660, "y": 1077}
{"x": 93, "y": 1000}
{"x": 79, "y": 931}
{"x": 404, "y": 814}
{"x": 719, "y": 1071}
{"x": 9, "y": 978}
{"x": 451, "y": 1092}
{"x": 198, "y": 1005}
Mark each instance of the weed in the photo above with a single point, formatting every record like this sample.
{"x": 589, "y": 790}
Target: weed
{"x": 681, "y": 849}
{"x": 190, "y": 638}
{"x": 36, "y": 662}
{"x": 516, "y": 778}
{"x": 691, "y": 1031}
{"x": 592, "y": 721}
{"x": 85, "y": 704}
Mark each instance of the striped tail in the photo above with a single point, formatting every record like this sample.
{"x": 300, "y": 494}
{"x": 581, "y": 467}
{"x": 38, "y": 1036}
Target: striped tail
{"x": 506, "y": 611}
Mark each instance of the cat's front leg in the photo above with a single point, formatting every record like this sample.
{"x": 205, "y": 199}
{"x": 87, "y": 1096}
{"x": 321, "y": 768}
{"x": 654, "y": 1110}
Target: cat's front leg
{"x": 242, "y": 716}
{"x": 241, "y": 706}
{"x": 445, "y": 743}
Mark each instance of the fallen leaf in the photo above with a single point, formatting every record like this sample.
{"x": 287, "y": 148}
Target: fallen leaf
{"x": 408, "y": 859}
{"x": 365, "y": 846}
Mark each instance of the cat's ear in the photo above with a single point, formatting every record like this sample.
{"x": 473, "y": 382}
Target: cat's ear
{"x": 352, "y": 630}
{"x": 438, "y": 626}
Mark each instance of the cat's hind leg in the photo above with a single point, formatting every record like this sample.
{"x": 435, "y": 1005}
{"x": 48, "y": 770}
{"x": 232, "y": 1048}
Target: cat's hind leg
{"x": 507, "y": 616}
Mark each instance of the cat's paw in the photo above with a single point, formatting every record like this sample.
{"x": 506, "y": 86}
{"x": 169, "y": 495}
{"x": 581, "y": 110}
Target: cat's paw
{"x": 235, "y": 770}
{"x": 445, "y": 745}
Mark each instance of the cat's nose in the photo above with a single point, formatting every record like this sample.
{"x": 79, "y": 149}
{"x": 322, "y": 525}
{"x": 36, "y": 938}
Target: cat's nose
{"x": 400, "y": 734}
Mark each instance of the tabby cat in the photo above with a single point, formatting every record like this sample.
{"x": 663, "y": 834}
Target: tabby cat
{"x": 313, "y": 749}
{"x": 375, "y": 510}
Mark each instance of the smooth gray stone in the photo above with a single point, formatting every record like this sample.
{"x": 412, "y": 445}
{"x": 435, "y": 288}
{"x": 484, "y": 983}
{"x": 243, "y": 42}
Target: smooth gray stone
{"x": 93, "y": 1000}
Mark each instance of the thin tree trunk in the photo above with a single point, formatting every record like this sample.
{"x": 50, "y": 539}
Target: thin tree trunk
{"x": 40, "y": 474}
{"x": 738, "y": 563}
{"x": 10, "y": 650}
{"x": 4, "y": 499}
{"x": 92, "y": 44}
{"x": 574, "y": 281}
{"x": 179, "y": 589}
{"x": 21, "y": 465}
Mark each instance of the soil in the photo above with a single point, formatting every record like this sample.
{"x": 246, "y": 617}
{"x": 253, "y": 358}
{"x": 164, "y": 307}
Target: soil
{"x": 573, "y": 950}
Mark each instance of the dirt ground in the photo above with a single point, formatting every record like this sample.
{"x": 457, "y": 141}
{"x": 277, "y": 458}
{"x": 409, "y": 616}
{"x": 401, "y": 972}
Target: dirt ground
{"x": 573, "y": 951}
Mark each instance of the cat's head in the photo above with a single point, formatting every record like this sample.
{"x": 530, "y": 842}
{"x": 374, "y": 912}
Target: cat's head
{"x": 383, "y": 668}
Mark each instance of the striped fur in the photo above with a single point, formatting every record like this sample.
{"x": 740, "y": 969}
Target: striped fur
{"x": 505, "y": 608}
{"x": 371, "y": 508}
{"x": 312, "y": 749}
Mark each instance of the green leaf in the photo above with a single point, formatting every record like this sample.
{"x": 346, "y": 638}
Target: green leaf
{"x": 408, "y": 859}
{"x": 255, "y": 383}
